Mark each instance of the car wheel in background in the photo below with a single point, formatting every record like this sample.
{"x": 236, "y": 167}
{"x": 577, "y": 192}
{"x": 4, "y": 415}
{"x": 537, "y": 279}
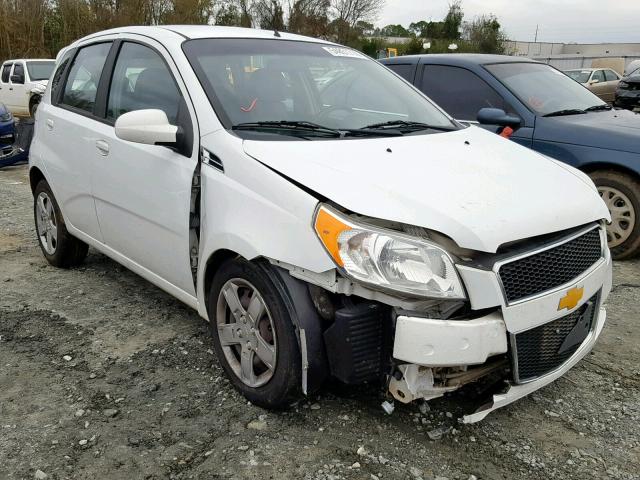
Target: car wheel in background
{"x": 254, "y": 335}
{"x": 33, "y": 106}
{"x": 621, "y": 193}
{"x": 58, "y": 246}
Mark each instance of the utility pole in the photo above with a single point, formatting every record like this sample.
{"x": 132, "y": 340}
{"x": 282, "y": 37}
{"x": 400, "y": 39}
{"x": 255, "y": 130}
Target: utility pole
{"x": 536, "y": 39}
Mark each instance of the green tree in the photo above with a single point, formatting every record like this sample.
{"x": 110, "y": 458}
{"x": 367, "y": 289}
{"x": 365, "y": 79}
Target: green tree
{"x": 270, "y": 14}
{"x": 309, "y": 17}
{"x": 485, "y": 34}
{"x": 394, "y": 31}
{"x": 419, "y": 29}
{"x": 452, "y": 23}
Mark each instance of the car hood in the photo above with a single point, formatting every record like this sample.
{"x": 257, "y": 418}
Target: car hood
{"x": 631, "y": 79}
{"x": 612, "y": 130}
{"x": 471, "y": 185}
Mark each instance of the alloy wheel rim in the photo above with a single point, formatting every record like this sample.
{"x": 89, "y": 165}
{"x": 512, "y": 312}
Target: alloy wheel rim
{"x": 46, "y": 223}
{"x": 246, "y": 332}
{"x": 623, "y": 215}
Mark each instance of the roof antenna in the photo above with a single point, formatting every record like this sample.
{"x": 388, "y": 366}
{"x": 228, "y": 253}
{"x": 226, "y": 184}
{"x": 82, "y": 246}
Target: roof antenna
{"x": 276, "y": 33}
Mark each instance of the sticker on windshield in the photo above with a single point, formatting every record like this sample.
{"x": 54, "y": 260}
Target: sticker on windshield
{"x": 343, "y": 52}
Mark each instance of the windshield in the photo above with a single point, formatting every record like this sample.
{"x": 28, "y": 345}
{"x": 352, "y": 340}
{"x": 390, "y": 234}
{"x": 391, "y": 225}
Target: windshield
{"x": 542, "y": 88}
{"x": 40, "y": 70}
{"x": 251, "y": 81}
{"x": 580, "y": 76}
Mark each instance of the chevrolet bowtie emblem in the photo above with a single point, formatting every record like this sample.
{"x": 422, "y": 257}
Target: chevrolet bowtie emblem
{"x": 571, "y": 299}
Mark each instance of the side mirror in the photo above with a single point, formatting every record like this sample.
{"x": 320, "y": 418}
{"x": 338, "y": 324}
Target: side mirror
{"x": 497, "y": 116}
{"x": 17, "y": 79}
{"x": 150, "y": 127}
{"x": 593, "y": 81}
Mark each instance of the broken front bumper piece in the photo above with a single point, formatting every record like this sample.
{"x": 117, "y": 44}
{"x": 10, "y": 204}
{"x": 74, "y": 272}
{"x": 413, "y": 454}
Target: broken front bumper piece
{"x": 515, "y": 392}
{"x": 443, "y": 355}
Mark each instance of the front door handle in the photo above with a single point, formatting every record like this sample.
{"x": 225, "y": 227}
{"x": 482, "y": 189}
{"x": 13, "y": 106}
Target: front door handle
{"x": 49, "y": 124}
{"x": 103, "y": 147}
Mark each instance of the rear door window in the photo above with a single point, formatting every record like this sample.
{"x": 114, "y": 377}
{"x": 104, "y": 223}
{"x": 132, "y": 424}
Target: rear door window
{"x": 460, "y": 92}
{"x": 81, "y": 87}
{"x": 6, "y": 72}
{"x": 611, "y": 76}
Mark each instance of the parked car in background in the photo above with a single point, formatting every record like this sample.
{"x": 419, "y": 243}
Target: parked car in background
{"x": 601, "y": 81}
{"x": 540, "y": 107}
{"x": 14, "y": 138}
{"x": 22, "y": 83}
{"x": 324, "y": 227}
{"x": 7, "y": 130}
{"x": 632, "y": 67}
{"x": 628, "y": 92}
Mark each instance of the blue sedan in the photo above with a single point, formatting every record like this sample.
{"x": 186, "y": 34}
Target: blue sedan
{"x": 540, "y": 107}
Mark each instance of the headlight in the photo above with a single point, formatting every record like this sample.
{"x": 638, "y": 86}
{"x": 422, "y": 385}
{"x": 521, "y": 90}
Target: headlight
{"x": 388, "y": 259}
{"x": 623, "y": 85}
{"x": 5, "y": 117}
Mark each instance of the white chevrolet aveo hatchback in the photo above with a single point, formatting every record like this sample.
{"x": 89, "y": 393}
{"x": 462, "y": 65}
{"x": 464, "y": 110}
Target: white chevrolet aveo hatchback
{"x": 324, "y": 216}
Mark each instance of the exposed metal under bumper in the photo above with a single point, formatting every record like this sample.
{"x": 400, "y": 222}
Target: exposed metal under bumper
{"x": 516, "y": 392}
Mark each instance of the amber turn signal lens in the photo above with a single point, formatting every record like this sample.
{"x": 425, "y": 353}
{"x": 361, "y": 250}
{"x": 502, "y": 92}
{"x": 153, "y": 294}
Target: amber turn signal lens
{"x": 329, "y": 228}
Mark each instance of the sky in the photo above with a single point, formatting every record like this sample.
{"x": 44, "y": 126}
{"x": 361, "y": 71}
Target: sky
{"x": 581, "y": 21}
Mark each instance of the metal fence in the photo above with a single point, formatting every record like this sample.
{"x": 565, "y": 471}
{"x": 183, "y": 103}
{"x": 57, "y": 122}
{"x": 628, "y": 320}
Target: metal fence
{"x": 566, "y": 62}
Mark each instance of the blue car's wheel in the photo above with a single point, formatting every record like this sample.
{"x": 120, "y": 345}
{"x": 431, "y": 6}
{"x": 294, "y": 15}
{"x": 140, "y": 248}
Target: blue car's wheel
{"x": 621, "y": 193}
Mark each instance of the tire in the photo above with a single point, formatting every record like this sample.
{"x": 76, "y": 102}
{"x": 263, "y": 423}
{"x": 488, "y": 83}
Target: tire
{"x": 621, "y": 193}
{"x": 58, "y": 246}
{"x": 274, "y": 332}
{"x": 33, "y": 106}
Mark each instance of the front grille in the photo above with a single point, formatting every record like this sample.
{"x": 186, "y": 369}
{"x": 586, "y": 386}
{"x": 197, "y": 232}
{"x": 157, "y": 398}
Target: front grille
{"x": 544, "y": 348}
{"x": 550, "y": 268}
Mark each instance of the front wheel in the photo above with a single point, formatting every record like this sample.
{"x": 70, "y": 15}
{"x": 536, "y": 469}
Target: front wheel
{"x": 621, "y": 194}
{"x": 254, "y": 335}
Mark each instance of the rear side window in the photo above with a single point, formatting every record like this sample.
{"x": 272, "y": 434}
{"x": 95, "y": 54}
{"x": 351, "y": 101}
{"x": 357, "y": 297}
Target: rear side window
{"x": 142, "y": 80}
{"x": 611, "y": 76}
{"x": 82, "y": 82}
{"x": 6, "y": 72}
{"x": 57, "y": 77}
{"x": 460, "y": 92}
{"x": 405, "y": 70}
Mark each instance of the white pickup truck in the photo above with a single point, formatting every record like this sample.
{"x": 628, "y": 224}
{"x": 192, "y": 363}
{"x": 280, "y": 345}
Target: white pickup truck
{"x": 22, "y": 83}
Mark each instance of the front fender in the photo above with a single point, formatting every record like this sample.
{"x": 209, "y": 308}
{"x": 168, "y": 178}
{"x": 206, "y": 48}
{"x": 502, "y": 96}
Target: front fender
{"x": 589, "y": 158}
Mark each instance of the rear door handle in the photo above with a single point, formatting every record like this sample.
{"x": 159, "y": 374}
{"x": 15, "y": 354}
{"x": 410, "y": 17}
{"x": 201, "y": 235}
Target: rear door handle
{"x": 49, "y": 124}
{"x": 103, "y": 147}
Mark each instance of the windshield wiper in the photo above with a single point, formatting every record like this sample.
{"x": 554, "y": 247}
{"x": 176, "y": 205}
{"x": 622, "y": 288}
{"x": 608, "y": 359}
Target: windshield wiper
{"x": 567, "y": 111}
{"x": 306, "y": 128}
{"x": 596, "y": 108}
{"x": 408, "y": 125}
{"x": 290, "y": 125}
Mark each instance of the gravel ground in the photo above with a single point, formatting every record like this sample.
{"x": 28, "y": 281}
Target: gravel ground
{"x": 102, "y": 375}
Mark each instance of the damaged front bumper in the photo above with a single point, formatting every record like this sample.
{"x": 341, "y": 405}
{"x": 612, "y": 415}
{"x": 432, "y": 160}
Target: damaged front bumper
{"x": 516, "y": 392}
{"x": 438, "y": 356}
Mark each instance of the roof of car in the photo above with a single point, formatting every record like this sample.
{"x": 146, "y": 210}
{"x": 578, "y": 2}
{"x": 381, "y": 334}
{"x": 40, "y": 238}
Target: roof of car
{"x": 585, "y": 69}
{"x": 458, "y": 59}
{"x": 29, "y": 60}
{"x": 201, "y": 31}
